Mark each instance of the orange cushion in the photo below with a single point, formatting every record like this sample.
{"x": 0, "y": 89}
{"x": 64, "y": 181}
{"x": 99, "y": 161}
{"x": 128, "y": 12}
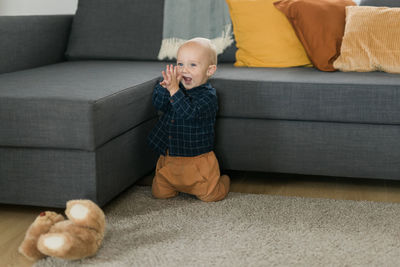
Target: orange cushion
{"x": 319, "y": 24}
{"x": 264, "y": 36}
{"x": 371, "y": 40}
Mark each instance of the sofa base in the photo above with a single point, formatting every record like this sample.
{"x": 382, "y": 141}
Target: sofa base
{"x": 311, "y": 148}
{"x": 50, "y": 177}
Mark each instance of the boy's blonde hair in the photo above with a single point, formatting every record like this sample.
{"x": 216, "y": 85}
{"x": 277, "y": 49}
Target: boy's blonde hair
{"x": 206, "y": 43}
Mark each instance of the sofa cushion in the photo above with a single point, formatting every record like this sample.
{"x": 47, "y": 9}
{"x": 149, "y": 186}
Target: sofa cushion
{"x": 319, "y": 26}
{"x": 121, "y": 29}
{"x": 264, "y": 36}
{"x": 116, "y": 29}
{"x": 32, "y": 41}
{"x": 75, "y": 105}
{"x": 386, "y": 3}
{"x": 371, "y": 40}
{"x": 308, "y": 94}
{"x": 229, "y": 54}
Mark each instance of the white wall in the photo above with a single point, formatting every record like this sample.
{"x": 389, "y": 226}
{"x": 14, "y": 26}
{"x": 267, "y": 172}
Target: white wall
{"x": 37, "y": 7}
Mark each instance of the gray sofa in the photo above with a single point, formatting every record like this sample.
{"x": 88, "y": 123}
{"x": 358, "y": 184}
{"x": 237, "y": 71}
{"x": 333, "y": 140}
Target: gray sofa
{"x": 75, "y": 109}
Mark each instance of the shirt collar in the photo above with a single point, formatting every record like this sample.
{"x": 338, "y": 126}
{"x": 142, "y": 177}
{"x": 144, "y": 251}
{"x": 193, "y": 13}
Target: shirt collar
{"x": 203, "y": 86}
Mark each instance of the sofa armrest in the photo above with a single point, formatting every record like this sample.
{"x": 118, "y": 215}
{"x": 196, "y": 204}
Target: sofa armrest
{"x": 32, "y": 41}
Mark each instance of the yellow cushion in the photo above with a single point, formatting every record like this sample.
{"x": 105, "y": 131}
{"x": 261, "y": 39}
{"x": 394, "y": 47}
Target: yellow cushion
{"x": 264, "y": 36}
{"x": 371, "y": 40}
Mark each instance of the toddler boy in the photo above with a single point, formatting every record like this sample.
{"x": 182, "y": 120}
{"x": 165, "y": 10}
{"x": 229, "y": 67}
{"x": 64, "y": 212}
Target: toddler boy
{"x": 184, "y": 135}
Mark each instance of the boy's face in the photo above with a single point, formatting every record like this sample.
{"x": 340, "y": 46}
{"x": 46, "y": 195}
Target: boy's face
{"x": 193, "y": 61}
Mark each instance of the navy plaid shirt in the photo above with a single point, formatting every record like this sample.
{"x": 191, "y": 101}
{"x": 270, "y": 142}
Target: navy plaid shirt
{"x": 186, "y": 127}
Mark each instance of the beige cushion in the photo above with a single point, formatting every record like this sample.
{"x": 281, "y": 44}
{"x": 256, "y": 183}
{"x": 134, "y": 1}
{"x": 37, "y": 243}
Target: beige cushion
{"x": 371, "y": 40}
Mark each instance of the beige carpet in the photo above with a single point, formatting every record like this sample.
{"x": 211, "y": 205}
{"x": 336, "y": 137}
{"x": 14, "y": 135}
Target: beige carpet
{"x": 245, "y": 230}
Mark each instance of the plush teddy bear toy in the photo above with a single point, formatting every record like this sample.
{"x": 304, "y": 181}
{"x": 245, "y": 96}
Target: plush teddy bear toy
{"x": 79, "y": 237}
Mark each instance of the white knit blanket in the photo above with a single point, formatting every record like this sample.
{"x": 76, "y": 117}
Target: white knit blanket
{"x": 186, "y": 19}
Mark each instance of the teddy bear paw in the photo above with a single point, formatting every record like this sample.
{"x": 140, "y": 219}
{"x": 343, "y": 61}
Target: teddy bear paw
{"x": 54, "y": 244}
{"x": 78, "y": 211}
{"x": 86, "y": 213}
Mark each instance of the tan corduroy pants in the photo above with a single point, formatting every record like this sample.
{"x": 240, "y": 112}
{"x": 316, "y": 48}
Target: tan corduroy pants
{"x": 199, "y": 176}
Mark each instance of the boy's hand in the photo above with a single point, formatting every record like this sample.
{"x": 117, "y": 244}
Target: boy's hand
{"x": 171, "y": 79}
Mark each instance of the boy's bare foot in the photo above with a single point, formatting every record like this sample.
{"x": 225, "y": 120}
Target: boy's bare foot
{"x": 226, "y": 181}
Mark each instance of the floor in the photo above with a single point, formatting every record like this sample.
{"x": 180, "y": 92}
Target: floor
{"x": 14, "y": 220}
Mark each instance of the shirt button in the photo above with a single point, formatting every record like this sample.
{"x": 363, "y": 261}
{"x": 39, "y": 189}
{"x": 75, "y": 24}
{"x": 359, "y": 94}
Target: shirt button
{"x": 171, "y": 101}
{"x": 172, "y": 121}
{"x": 170, "y": 137}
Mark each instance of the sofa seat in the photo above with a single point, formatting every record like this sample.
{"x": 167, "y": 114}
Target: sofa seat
{"x": 75, "y": 130}
{"x": 308, "y": 94}
{"x": 77, "y": 104}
